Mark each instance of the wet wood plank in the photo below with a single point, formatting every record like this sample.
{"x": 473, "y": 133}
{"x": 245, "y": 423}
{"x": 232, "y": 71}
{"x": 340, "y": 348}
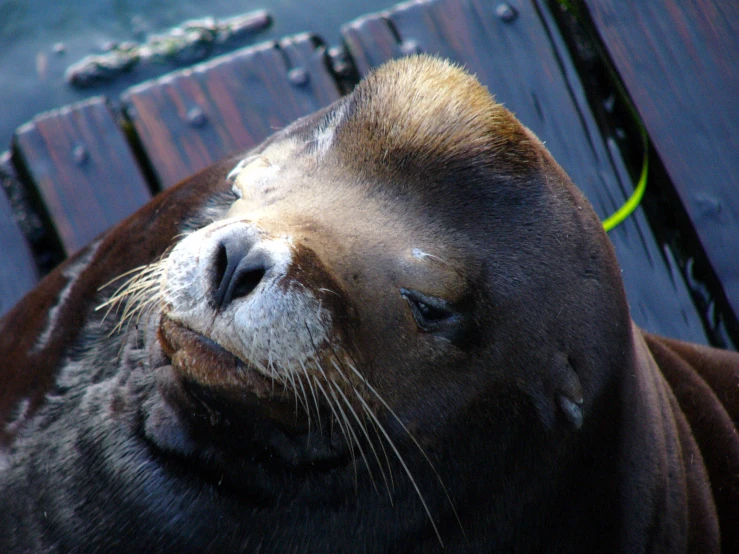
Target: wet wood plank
{"x": 17, "y": 268}
{"x": 193, "y": 118}
{"x": 680, "y": 64}
{"x": 83, "y": 169}
{"x": 520, "y": 57}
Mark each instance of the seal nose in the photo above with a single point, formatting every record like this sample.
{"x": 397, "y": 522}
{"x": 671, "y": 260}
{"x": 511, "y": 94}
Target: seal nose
{"x": 239, "y": 268}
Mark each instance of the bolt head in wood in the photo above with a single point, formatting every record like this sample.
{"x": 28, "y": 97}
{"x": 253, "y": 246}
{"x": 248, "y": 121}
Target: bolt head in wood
{"x": 79, "y": 154}
{"x": 506, "y": 12}
{"x": 196, "y": 117}
{"x": 298, "y": 76}
{"x": 410, "y": 47}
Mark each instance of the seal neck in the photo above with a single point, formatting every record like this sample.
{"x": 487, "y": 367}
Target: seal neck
{"x": 656, "y": 448}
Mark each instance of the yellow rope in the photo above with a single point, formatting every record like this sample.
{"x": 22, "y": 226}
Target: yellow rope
{"x": 620, "y": 215}
{"x": 633, "y": 202}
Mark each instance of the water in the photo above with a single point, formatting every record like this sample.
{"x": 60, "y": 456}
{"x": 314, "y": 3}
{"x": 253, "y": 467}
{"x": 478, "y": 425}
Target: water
{"x": 39, "y": 39}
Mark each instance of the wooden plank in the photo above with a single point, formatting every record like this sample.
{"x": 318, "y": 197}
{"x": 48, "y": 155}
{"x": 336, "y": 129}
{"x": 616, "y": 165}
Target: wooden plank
{"x": 83, "y": 169}
{"x": 520, "y": 58}
{"x": 192, "y": 118}
{"x": 680, "y": 63}
{"x": 18, "y": 273}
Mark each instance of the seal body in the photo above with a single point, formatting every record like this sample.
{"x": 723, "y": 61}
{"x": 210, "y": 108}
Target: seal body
{"x": 395, "y": 326}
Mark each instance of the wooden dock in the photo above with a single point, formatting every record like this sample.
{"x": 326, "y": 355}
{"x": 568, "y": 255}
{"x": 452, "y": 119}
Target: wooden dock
{"x": 85, "y": 167}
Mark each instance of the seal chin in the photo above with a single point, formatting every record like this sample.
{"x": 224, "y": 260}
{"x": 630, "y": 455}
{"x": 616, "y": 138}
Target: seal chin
{"x": 214, "y": 407}
{"x": 211, "y": 372}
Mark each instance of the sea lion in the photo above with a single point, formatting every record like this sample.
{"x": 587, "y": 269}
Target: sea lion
{"x": 395, "y": 326}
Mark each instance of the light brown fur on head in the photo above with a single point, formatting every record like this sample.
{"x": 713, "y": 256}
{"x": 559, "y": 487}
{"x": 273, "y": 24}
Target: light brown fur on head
{"x": 424, "y": 111}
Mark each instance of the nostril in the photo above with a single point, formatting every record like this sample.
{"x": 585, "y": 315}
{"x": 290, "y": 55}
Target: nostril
{"x": 238, "y": 270}
{"x": 221, "y": 265}
{"x": 244, "y": 281}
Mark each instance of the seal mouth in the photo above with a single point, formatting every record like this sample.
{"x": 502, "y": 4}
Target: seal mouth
{"x": 229, "y": 406}
{"x": 200, "y": 359}
{"x": 224, "y": 382}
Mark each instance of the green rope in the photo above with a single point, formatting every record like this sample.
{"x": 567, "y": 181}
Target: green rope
{"x": 620, "y": 215}
{"x": 632, "y": 203}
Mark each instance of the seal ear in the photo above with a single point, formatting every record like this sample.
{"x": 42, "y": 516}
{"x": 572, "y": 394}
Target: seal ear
{"x": 568, "y": 390}
{"x": 559, "y": 389}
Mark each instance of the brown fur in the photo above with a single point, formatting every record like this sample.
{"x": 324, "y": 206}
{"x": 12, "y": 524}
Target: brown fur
{"x": 434, "y": 115}
{"x": 705, "y": 382}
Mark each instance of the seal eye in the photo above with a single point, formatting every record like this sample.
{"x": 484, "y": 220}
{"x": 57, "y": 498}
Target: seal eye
{"x": 430, "y": 313}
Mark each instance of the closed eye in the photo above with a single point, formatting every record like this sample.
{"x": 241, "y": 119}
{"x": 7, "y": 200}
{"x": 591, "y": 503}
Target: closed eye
{"x": 431, "y": 313}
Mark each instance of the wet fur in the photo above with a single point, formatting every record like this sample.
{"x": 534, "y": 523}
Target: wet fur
{"x": 469, "y": 440}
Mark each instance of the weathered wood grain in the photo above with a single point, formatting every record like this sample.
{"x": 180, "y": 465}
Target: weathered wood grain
{"x": 680, "y": 63}
{"x": 520, "y": 57}
{"x": 192, "y": 118}
{"x": 83, "y": 169}
{"x": 18, "y": 272}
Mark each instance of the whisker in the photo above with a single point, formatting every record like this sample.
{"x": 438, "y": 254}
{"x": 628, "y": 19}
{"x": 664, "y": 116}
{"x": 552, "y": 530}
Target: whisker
{"x": 143, "y": 275}
{"x": 421, "y": 450}
{"x": 141, "y": 268}
{"x": 313, "y": 394}
{"x": 356, "y": 441}
{"x": 315, "y": 350}
{"x": 305, "y": 403}
{"x": 133, "y": 306}
{"x": 340, "y": 424}
{"x": 146, "y": 307}
{"x": 286, "y": 376}
{"x": 369, "y": 440}
{"x": 272, "y": 374}
{"x": 374, "y": 426}
{"x": 369, "y": 412}
{"x": 391, "y": 484}
{"x": 137, "y": 295}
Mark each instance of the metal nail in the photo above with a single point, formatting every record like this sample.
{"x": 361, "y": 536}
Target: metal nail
{"x": 196, "y": 117}
{"x": 79, "y": 154}
{"x": 410, "y": 47}
{"x": 506, "y": 12}
{"x": 298, "y": 76}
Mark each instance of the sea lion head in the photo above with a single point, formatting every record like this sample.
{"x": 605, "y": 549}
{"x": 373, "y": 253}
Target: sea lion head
{"x": 404, "y": 289}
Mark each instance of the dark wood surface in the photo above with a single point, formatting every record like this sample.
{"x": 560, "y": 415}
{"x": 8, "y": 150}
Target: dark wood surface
{"x": 679, "y": 61}
{"x": 522, "y": 61}
{"x": 17, "y": 268}
{"x": 84, "y": 170}
{"x": 192, "y": 118}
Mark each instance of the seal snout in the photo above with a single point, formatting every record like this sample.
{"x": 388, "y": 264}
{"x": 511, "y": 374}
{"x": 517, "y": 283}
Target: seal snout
{"x": 239, "y": 268}
{"x": 244, "y": 289}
